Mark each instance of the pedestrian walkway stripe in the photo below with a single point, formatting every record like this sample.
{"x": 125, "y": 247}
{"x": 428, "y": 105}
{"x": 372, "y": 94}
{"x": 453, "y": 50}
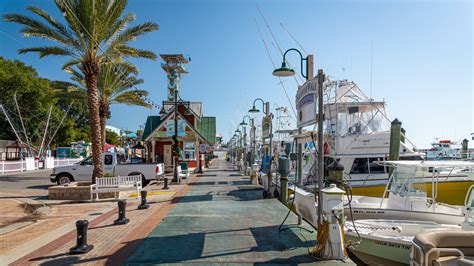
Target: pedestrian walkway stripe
{"x": 133, "y": 195}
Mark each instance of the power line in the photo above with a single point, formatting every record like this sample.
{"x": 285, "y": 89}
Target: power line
{"x": 274, "y": 66}
{"x": 276, "y": 42}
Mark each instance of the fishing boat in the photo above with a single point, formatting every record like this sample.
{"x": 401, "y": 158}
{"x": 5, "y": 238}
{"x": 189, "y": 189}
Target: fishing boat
{"x": 389, "y": 242}
{"x": 444, "y": 150}
{"x": 408, "y": 196}
{"x": 357, "y": 134}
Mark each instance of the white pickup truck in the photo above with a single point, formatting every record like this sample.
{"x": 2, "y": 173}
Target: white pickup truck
{"x": 82, "y": 171}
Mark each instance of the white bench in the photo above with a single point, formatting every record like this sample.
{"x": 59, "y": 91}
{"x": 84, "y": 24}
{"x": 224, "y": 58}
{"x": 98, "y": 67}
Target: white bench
{"x": 116, "y": 184}
{"x": 183, "y": 174}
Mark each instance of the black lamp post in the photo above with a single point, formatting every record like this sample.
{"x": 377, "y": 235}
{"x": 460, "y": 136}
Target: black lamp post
{"x": 266, "y": 109}
{"x": 284, "y": 71}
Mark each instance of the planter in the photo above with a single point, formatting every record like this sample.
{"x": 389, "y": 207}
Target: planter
{"x": 74, "y": 191}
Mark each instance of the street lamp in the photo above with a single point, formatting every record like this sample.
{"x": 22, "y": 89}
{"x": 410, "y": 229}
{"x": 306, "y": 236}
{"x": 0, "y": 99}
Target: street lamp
{"x": 255, "y": 109}
{"x": 285, "y": 71}
{"x": 243, "y": 123}
{"x": 266, "y": 109}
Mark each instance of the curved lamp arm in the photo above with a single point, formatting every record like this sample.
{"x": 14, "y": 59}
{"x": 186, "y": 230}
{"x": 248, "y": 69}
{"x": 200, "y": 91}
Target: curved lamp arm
{"x": 254, "y": 109}
{"x": 243, "y": 120}
{"x": 302, "y": 59}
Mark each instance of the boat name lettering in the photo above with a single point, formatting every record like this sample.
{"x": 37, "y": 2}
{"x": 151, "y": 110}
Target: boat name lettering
{"x": 392, "y": 245}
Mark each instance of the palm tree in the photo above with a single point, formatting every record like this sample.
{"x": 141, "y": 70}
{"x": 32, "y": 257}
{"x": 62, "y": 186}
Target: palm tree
{"x": 95, "y": 31}
{"x": 116, "y": 84}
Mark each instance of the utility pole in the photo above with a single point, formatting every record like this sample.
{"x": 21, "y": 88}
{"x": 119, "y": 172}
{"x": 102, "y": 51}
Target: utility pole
{"x": 320, "y": 118}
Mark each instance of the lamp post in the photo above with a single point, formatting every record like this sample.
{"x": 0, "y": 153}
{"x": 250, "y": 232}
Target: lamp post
{"x": 243, "y": 123}
{"x": 266, "y": 109}
{"x": 285, "y": 71}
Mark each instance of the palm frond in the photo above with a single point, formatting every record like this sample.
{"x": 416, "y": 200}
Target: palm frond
{"x": 125, "y": 50}
{"x": 48, "y": 50}
{"x": 133, "y": 32}
{"x": 58, "y": 26}
{"x": 132, "y": 98}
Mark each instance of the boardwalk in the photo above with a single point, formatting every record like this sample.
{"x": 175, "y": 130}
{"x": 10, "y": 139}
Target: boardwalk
{"x": 223, "y": 219}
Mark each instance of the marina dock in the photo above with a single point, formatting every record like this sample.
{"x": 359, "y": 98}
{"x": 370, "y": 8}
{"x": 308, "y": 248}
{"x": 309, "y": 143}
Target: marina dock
{"x": 223, "y": 219}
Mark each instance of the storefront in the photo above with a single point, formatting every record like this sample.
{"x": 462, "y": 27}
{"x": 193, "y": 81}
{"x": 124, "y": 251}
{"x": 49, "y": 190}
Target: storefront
{"x": 193, "y": 130}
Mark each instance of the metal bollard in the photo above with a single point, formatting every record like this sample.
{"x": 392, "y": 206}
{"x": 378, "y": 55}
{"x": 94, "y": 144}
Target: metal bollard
{"x": 81, "y": 240}
{"x": 122, "y": 204}
{"x": 165, "y": 185}
{"x": 143, "y": 204}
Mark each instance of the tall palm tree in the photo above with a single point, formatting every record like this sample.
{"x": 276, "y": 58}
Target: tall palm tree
{"x": 116, "y": 84}
{"x": 95, "y": 31}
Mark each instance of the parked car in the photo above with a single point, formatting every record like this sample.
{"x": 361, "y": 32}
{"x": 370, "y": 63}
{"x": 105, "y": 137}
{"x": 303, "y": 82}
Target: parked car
{"x": 82, "y": 171}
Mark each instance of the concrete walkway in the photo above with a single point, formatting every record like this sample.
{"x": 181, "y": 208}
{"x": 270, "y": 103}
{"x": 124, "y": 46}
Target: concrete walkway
{"x": 224, "y": 220}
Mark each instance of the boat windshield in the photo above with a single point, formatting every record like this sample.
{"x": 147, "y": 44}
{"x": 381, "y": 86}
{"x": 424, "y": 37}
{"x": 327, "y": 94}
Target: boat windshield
{"x": 361, "y": 119}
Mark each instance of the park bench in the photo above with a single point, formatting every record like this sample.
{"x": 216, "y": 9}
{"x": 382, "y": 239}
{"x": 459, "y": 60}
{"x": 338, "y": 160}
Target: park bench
{"x": 116, "y": 184}
{"x": 183, "y": 172}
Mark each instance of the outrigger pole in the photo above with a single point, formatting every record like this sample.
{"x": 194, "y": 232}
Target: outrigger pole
{"x": 23, "y": 125}
{"x": 10, "y": 122}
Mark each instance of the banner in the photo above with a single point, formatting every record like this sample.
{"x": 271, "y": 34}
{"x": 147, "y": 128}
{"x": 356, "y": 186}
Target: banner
{"x": 170, "y": 128}
{"x": 306, "y": 103}
{"x": 266, "y": 121}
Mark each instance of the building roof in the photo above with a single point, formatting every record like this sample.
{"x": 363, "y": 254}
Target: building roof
{"x": 207, "y": 128}
{"x": 152, "y": 122}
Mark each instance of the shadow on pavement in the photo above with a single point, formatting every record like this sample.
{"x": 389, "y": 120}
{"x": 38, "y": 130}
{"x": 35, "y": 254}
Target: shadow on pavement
{"x": 194, "y": 198}
{"x": 217, "y": 246}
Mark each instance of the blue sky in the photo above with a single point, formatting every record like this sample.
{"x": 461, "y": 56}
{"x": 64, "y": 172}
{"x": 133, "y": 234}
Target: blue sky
{"x": 422, "y": 56}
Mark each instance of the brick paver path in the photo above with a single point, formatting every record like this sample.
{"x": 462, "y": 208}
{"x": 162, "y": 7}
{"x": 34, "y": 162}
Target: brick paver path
{"x": 223, "y": 219}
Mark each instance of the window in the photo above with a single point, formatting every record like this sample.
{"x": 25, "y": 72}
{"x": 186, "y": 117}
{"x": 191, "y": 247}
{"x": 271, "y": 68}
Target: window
{"x": 360, "y": 166}
{"x": 87, "y": 161}
{"x": 375, "y": 167}
{"x": 189, "y": 151}
{"x": 108, "y": 159}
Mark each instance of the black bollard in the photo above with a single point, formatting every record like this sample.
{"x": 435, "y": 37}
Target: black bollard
{"x": 143, "y": 204}
{"x": 122, "y": 204}
{"x": 165, "y": 185}
{"x": 81, "y": 244}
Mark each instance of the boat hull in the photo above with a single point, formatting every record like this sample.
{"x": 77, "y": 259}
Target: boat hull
{"x": 372, "y": 213}
{"x": 379, "y": 252}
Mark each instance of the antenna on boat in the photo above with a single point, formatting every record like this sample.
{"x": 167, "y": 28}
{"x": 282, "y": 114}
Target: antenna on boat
{"x": 371, "y": 66}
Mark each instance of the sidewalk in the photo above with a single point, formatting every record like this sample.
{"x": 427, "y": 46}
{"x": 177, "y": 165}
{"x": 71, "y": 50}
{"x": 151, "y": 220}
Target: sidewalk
{"x": 218, "y": 218}
{"x": 52, "y": 237}
{"x": 224, "y": 220}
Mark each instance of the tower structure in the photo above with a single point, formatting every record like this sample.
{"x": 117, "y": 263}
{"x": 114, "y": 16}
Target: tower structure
{"x": 174, "y": 66}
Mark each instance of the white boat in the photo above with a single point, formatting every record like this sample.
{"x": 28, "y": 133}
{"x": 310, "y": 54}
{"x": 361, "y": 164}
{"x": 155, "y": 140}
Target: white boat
{"x": 444, "y": 150}
{"x": 389, "y": 242}
{"x": 357, "y": 134}
{"x": 405, "y": 197}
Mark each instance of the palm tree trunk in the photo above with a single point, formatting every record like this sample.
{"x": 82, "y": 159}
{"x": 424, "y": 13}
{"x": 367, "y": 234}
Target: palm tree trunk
{"x": 103, "y": 121}
{"x": 91, "y": 71}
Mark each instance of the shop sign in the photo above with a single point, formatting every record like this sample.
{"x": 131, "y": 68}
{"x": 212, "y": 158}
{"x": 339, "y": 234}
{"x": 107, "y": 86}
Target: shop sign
{"x": 170, "y": 128}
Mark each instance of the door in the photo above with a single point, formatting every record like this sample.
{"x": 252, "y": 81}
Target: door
{"x": 167, "y": 155}
{"x": 83, "y": 171}
{"x": 108, "y": 164}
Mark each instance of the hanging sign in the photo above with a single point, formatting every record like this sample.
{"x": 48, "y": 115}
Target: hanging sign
{"x": 306, "y": 103}
{"x": 202, "y": 148}
{"x": 170, "y": 128}
{"x": 266, "y": 121}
